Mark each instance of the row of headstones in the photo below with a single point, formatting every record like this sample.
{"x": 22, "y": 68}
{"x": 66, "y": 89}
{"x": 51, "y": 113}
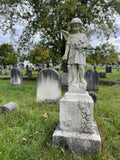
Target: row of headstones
{"x": 91, "y": 76}
{"x": 49, "y": 83}
{"x": 28, "y": 72}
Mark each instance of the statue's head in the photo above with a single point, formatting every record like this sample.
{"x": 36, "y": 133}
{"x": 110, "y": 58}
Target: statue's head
{"x": 76, "y": 25}
{"x": 76, "y": 20}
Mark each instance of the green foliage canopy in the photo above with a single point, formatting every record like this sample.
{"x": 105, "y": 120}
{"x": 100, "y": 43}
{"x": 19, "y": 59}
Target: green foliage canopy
{"x": 8, "y": 55}
{"x": 39, "y": 55}
{"x": 49, "y": 17}
{"x": 103, "y": 54}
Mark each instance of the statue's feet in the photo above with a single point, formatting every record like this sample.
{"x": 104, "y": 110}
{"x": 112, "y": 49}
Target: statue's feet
{"x": 75, "y": 81}
{"x": 83, "y": 82}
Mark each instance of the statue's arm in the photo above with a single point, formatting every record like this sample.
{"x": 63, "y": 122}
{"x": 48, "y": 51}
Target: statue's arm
{"x": 85, "y": 44}
{"x": 65, "y": 56}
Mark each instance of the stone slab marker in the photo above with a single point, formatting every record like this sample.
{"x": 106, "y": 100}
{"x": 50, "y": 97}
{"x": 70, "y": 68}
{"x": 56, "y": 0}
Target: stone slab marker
{"x": 48, "y": 86}
{"x": 1, "y": 71}
{"x": 77, "y": 130}
{"x": 64, "y": 80}
{"x": 8, "y": 107}
{"x": 92, "y": 79}
{"x": 16, "y": 78}
{"x": 29, "y": 73}
{"x": 6, "y": 71}
{"x": 108, "y": 69}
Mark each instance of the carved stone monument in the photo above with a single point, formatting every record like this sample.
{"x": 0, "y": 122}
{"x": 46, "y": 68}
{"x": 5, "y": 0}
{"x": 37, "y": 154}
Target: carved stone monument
{"x": 76, "y": 130}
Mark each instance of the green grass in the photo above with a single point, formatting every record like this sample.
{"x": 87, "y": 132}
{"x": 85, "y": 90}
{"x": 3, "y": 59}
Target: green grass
{"x": 16, "y": 127}
{"x": 109, "y": 76}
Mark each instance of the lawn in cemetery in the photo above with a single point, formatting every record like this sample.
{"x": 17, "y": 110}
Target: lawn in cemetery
{"x": 114, "y": 76}
{"x": 26, "y": 132}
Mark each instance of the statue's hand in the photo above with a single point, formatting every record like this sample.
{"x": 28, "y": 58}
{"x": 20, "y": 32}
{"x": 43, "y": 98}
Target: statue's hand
{"x": 77, "y": 47}
{"x": 64, "y": 57}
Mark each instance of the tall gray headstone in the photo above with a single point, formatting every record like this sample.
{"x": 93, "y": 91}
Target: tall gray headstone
{"x": 16, "y": 78}
{"x": 92, "y": 79}
{"x": 64, "y": 80}
{"x": 29, "y": 73}
{"x": 48, "y": 86}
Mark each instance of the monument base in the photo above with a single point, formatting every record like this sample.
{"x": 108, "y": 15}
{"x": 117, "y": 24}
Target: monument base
{"x": 78, "y": 142}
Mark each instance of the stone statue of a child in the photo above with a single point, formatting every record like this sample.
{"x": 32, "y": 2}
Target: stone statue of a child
{"x": 75, "y": 53}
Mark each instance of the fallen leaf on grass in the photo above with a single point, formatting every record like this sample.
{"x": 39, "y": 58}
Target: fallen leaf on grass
{"x": 33, "y": 134}
{"x": 63, "y": 151}
{"x": 24, "y": 139}
{"x": 45, "y": 115}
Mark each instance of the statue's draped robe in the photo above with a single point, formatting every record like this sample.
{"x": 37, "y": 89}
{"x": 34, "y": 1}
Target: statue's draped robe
{"x": 77, "y": 43}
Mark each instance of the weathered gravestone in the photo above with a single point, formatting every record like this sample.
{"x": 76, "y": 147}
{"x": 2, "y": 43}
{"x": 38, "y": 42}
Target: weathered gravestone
{"x": 92, "y": 79}
{"x": 8, "y": 107}
{"x": 48, "y": 86}
{"x": 77, "y": 131}
{"x": 7, "y": 70}
{"x": 102, "y": 74}
{"x": 108, "y": 69}
{"x": 29, "y": 73}
{"x": 1, "y": 71}
{"x": 16, "y": 78}
{"x": 27, "y": 68}
{"x": 64, "y": 80}
{"x": 57, "y": 69}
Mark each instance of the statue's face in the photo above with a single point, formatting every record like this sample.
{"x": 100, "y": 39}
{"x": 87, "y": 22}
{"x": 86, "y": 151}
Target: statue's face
{"x": 75, "y": 27}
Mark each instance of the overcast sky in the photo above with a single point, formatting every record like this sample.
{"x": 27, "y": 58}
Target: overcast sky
{"x": 94, "y": 41}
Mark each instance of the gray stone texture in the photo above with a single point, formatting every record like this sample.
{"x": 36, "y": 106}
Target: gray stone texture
{"x": 16, "y": 78}
{"x": 76, "y": 142}
{"x": 108, "y": 69}
{"x": 77, "y": 131}
{"x": 92, "y": 79}
{"x": 102, "y": 74}
{"x": 7, "y": 71}
{"x": 64, "y": 80}
{"x": 8, "y": 107}
{"x": 1, "y": 71}
{"x": 76, "y": 112}
{"x": 48, "y": 86}
{"x": 29, "y": 73}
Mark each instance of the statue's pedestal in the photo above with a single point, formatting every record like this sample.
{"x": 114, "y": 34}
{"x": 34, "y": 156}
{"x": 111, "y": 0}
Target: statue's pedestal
{"x": 77, "y": 131}
{"x": 78, "y": 142}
